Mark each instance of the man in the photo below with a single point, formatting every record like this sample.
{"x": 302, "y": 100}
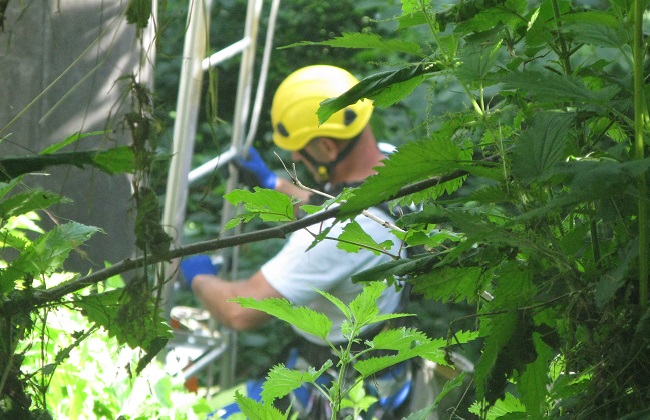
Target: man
{"x": 338, "y": 153}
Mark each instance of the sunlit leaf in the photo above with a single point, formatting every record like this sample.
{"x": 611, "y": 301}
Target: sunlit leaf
{"x": 282, "y": 380}
{"x": 303, "y": 318}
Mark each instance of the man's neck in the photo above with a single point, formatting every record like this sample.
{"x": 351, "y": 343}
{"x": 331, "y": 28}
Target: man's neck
{"x": 361, "y": 161}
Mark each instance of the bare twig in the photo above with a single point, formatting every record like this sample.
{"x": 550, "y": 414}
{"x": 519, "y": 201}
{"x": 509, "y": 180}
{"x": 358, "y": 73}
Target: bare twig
{"x": 371, "y": 216}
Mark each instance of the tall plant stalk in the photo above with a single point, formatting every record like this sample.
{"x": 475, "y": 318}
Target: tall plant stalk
{"x": 640, "y": 116}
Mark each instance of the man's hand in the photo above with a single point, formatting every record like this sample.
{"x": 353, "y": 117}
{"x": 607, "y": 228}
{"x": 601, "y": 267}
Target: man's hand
{"x": 199, "y": 264}
{"x": 254, "y": 167}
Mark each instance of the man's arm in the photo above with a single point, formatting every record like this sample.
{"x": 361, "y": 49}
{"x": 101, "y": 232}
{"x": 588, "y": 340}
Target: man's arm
{"x": 214, "y": 293}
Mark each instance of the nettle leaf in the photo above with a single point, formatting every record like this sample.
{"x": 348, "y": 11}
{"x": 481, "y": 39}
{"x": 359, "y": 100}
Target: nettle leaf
{"x": 146, "y": 332}
{"x": 268, "y": 205}
{"x": 542, "y": 145}
{"x": 451, "y": 284}
{"x": 282, "y": 380}
{"x": 596, "y": 28}
{"x": 372, "y": 86}
{"x": 338, "y": 303}
{"x": 303, "y": 318}
{"x": 414, "y": 161}
{"x": 27, "y": 201}
{"x": 364, "y": 307}
{"x": 553, "y": 87}
{"x": 354, "y": 238}
{"x": 507, "y": 408}
{"x": 477, "y": 59}
{"x": 48, "y": 252}
{"x": 257, "y": 410}
{"x": 367, "y": 40}
{"x": 505, "y": 13}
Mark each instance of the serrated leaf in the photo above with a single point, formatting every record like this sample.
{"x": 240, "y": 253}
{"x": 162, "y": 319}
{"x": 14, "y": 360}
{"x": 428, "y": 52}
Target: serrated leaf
{"x": 268, "y": 205}
{"x": 549, "y": 86}
{"x": 373, "y": 85}
{"x": 256, "y": 410}
{"x": 282, "y": 380}
{"x": 508, "y": 405}
{"x": 303, "y": 318}
{"x": 364, "y": 307}
{"x": 338, "y": 302}
{"x": 505, "y": 13}
{"x": 476, "y": 61}
{"x": 597, "y": 28}
{"x": 367, "y": 40}
{"x": 450, "y": 284}
{"x": 414, "y": 161}
{"x": 104, "y": 310}
{"x": 542, "y": 145}
{"x": 408, "y": 343}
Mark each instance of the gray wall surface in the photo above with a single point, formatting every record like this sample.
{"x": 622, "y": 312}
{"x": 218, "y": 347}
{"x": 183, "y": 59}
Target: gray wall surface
{"x": 74, "y": 50}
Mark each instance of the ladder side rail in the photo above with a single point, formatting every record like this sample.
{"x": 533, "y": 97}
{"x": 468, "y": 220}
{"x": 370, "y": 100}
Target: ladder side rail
{"x": 189, "y": 94}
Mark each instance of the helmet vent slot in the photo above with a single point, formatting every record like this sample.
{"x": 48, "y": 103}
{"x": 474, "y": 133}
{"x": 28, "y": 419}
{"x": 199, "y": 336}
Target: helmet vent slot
{"x": 282, "y": 130}
{"x": 349, "y": 116}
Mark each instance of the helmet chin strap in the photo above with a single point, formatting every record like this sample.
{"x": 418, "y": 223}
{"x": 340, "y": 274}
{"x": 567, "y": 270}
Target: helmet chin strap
{"x": 325, "y": 170}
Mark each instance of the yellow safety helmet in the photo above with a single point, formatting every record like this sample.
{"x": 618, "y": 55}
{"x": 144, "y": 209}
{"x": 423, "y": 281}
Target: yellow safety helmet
{"x": 297, "y": 99}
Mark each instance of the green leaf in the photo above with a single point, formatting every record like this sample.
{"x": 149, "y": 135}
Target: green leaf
{"x": 27, "y": 201}
{"x": 506, "y": 13}
{"x": 477, "y": 59}
{"x": 256, "y": 410}
{"x": 45, "y": 254}
{"x": 268, "y": 205}
{"x": 354, "y": 238}
{"x": 282, "y": 380}
{"x": 69, "y": 140}
{"x": 131, "y": 316}
{"x": 339, "y": 304}
{"x": 597, "y": 28}
{"x": 367, "y": 40}
{"x": 414, "y": 161}
{"x": 138, "y": 12}
{"x": 508, "y": 405}
{"x": 303, "y": 318}
{"x": 372, "y": 86}
{"x": 552, "y": 87}
{"x": 115, "y": 161}
{"x": 534, "y": 380}
{"x": 542, "y": 145}
{"x": 451, "y": 284}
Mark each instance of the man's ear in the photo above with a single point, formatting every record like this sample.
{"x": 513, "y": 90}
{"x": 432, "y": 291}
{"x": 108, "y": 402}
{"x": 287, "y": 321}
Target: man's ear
{"x": 329, "y": 148}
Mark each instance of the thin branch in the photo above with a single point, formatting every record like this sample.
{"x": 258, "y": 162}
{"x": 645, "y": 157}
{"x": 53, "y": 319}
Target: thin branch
{"x": 42, "y": 297}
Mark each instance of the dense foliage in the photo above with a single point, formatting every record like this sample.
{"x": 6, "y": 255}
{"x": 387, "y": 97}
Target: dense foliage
{"x": 533, "y": 209}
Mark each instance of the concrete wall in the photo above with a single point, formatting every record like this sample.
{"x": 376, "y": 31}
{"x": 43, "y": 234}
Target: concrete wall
{"x": 74, "y": 50}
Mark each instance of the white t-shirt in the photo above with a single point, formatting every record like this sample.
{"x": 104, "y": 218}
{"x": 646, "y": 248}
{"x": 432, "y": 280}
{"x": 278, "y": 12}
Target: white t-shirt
{"x": 297, "y": 272}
